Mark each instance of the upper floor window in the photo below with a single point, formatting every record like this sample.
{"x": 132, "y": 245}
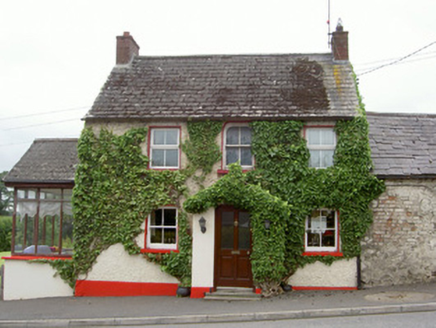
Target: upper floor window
{"x": 164, "y": 148}
{"x": 322, "y": 231}
{"x": 162, "y": 229}
{"x": 43, "y": 222}
{"x": 321, "y": 142}
{"x": 237, "y": 145}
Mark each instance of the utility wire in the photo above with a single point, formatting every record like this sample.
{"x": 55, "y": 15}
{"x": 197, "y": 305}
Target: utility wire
{"x": 15, "y": 144}
{"x": 358, "y": 70}
{"x": 30, "y": 141}
{"x": 42, "y": 124}
{"x": 398, "y": 60}
{"x": 43, "y": 113}
{"x": 372, "y": 64}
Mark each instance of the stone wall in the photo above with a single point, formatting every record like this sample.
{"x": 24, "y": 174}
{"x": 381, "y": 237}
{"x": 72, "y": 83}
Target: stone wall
{"x": 400, "y": 247}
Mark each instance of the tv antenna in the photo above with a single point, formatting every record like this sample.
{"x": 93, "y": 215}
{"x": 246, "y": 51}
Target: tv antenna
{"x": 328, "y": 23}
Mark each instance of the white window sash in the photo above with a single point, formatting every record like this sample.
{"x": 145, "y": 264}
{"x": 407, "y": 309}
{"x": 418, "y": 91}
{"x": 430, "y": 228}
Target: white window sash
{"x": 322, "y": 248}
{"x": 151, "y": 245}
{"x": 329, "y": 147}
{"x": 164, "y": 147}
{"x": 238, "y": 146}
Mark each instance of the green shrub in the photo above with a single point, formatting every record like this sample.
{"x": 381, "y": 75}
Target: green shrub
{"x": 5, "y": 233}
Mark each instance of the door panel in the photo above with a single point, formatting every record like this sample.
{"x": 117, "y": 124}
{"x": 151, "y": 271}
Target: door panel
{"x": 232, "y": 248}
{"x": 243, "y": 267}
{"x": 226, "y": 267}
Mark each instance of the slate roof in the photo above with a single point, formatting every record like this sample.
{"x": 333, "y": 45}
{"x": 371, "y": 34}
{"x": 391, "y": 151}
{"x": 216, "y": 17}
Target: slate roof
{"x": 303, "y": 86}
{"x": 46, "y": 161}
{"x": 403, "y": 145}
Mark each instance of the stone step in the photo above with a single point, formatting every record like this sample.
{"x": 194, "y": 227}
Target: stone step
{"x": 232, "y": 294}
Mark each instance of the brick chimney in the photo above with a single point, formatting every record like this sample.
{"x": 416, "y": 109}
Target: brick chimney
{"x": 127, "y": 48}
{"x": 340, "y": 43}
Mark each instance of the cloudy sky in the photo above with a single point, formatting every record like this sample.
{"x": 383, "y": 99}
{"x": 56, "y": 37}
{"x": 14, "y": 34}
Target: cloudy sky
{"x": 56, "y": 55}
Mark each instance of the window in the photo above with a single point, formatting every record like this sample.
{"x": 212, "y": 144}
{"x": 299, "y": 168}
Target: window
{"x": 237, "y": 146}
{"x": 164, "y": 148}
{"x": 321, "y": 143}
{"x": 322, "y": 231}
{"x": 43, "y": 222}
{"x": 162, "y": 229}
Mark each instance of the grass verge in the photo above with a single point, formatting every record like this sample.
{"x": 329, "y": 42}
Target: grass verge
{"x": 2, "y": 261}
{"x": 3, "y": 254}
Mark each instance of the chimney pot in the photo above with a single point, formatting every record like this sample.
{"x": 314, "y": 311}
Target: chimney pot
{"x": 339, "y": 26}
{"x": 127, "y": 48}
{"x": 340, "y": 43}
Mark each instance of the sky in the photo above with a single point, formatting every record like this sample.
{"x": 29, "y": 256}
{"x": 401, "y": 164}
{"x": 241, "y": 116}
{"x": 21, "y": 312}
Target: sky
{"x": 56, "y": 55}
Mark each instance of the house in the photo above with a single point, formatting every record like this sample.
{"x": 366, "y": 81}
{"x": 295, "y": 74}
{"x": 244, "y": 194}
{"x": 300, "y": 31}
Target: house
{"x": 400, "y": 246}
{"x": 43, "y": 181}
{"x": 207, "y": 171}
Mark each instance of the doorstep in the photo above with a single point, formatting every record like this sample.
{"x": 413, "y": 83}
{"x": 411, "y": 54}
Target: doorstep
{"x": 232, "y": 294}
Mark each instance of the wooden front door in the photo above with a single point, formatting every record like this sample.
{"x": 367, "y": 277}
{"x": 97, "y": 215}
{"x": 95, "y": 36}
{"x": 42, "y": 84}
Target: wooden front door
{"x": 232, "y": 248}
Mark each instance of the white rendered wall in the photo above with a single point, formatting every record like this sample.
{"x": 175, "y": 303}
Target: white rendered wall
{"x": 26, "y": 280}
{"x": 342, "y": 273}
{"x": 115, "y": 264}
{"x": 203, "y": 250}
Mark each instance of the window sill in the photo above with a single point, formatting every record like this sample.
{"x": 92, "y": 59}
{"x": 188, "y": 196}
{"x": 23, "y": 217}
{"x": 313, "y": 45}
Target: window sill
{"x": 336, "y": 254}
{"x": 36, "y": 257}
{"x": 164, "y": 169}
{"x": 158, "y": 251}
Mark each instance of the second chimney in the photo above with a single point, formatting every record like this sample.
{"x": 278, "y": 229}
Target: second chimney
{"x": 340, "y": 43}
{"x": 127, "y": 48}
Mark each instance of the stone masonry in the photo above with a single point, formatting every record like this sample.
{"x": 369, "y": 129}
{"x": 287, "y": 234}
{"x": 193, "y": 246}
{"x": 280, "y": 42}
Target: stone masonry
{"x": 400, "y": 247}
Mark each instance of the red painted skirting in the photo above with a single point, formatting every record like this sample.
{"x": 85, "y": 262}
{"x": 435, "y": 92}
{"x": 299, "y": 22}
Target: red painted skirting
{"x": 322, "y": 288}
{"x": 118, "y": 288}
{"x": 198, "y": 292}
{"x": 36, "y": 257}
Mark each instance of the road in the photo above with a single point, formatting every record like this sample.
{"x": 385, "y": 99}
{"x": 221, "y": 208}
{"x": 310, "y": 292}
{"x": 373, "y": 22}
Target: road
{"x": 415, "y": 320}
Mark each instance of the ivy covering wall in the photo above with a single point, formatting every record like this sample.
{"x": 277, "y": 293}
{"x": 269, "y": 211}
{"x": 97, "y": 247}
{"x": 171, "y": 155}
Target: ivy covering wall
{"x": 115, "y": 192}
{"x": 283, "y": 172}
{"x": 268, "y": 249}
{"x": 282, "y": 167}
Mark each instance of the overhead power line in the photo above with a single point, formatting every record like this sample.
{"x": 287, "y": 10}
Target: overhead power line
{"x": 43, "y": 113}
{"x": 414, "y": 60}
{"x": 42, "y": 124}
{"x": 375, "y": 63}
{"x": 30, "y": 141}
{"x": 398, "y": 60}
{"x": 15, "y": 144}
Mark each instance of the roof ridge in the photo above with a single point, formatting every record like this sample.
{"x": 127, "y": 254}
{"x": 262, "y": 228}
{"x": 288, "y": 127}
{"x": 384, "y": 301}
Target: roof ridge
{"x": 235, "y": 55}
{"x": 55, "y": 139}
{"x": 396, "y": 114}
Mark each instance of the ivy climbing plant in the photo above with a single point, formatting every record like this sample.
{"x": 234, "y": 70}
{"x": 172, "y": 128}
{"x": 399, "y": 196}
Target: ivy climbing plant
{"x": 282, "y": 170}
{"x": 267, "y": 259}
{"x": 347, "y": 186}
{"x": 201, "y": 148}
{"x": 114, "y": 192}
